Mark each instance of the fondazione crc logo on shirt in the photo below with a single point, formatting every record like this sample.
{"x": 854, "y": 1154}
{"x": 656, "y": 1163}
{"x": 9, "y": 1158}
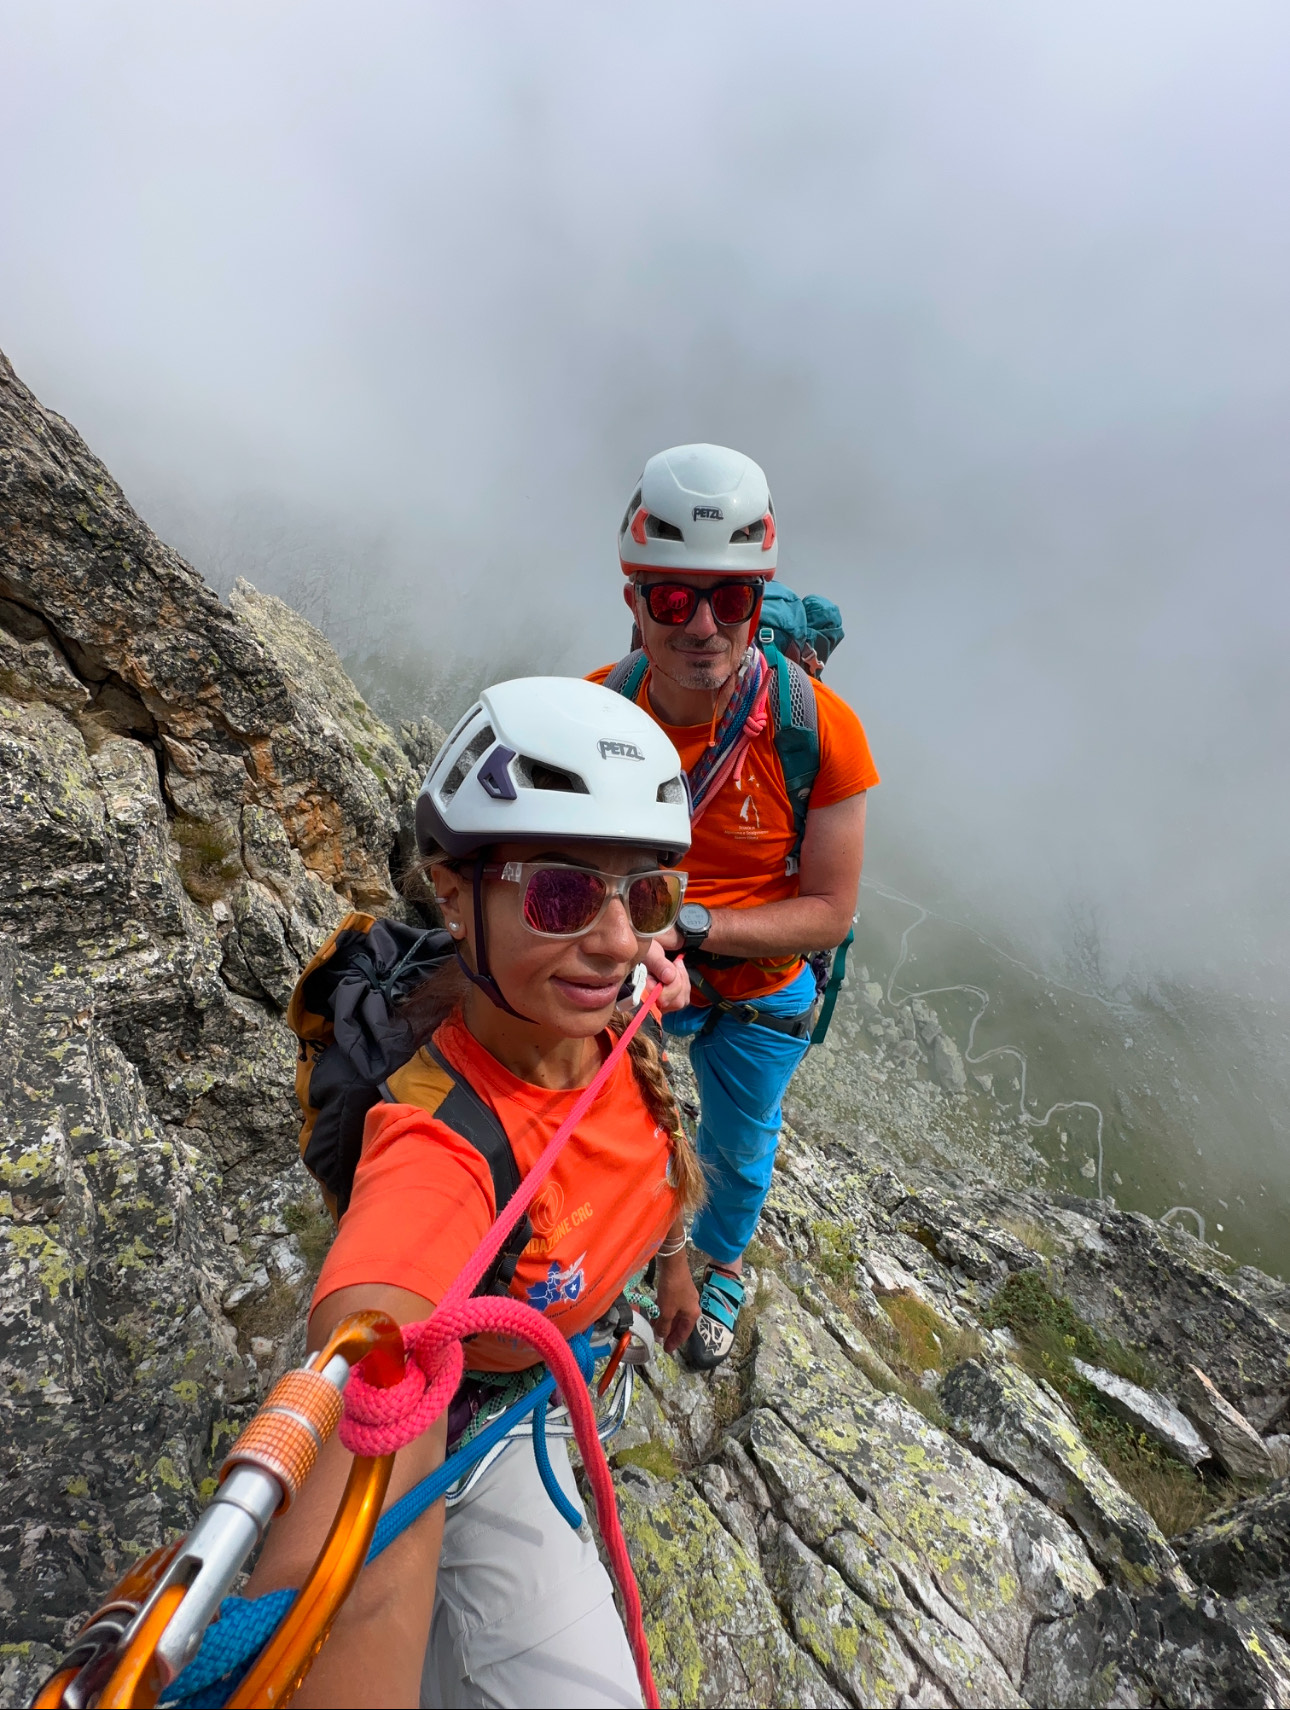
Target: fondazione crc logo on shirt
{"x": 550, "y": 1221}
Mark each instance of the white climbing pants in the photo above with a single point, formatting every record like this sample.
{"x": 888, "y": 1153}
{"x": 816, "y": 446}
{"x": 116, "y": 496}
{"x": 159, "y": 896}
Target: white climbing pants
{"x": 524, "y": 1612}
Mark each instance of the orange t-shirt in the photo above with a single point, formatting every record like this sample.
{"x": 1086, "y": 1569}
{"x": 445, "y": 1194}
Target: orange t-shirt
{"x": 742, "y": 842}
{"x": 423, "y": 1198}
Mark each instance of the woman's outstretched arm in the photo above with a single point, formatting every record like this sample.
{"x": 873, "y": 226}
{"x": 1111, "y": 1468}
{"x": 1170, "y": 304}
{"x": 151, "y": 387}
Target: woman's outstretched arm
{"x": 377, "y": 1646}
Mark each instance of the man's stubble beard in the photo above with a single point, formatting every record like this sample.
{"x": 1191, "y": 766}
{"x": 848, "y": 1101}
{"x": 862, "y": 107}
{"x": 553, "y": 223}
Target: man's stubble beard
{"x": 711, "y": 678}
{"x": 705, "y": 671}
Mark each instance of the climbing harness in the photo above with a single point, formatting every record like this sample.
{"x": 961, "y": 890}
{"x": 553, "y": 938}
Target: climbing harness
{"x": 169, "y": 1633}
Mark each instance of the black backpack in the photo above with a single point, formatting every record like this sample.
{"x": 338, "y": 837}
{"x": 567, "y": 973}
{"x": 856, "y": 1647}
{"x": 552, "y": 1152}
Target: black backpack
{"x": 355, "y": 1049}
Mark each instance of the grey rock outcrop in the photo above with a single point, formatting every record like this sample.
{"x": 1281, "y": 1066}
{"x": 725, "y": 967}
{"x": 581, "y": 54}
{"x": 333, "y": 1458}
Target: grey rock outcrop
{"x": 1153, "y": 1414}
{"x": 191, "y": 796}
{"x": 1237, "y": 1446}
{"x": 1008, "y": 1418}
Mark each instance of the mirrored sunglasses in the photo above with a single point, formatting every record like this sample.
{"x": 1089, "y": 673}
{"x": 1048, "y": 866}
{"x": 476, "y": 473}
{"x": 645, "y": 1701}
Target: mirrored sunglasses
{"x": 732, "y": 601}
{"x": 564, "y": 902}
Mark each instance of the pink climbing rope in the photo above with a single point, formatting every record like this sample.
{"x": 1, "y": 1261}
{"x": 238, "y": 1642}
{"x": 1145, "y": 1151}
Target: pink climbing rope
{"x": 382, "y": 1421}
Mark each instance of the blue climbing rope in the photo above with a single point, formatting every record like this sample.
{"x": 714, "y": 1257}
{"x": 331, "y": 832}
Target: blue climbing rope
{"x": 229, "y": 1646}
{"x": 244, "y": 1626}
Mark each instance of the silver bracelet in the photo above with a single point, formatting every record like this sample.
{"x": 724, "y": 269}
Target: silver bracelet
{"x": 671, "y": 1252}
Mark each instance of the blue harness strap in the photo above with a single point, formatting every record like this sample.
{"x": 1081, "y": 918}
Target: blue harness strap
{"x": 231, "y": 1643}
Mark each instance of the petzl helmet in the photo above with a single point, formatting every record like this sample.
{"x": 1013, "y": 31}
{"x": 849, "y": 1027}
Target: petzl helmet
{"x": 703, "y": 509}
{"x": 558, "y": 758}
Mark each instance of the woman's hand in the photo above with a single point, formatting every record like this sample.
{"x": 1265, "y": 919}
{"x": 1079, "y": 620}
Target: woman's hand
{"x": 678, "y": 1300}
{"x": 671, "y": 976}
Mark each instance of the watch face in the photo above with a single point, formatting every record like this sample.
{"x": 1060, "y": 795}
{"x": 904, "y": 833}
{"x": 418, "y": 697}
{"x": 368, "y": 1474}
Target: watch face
{"x": 693, "y": 917}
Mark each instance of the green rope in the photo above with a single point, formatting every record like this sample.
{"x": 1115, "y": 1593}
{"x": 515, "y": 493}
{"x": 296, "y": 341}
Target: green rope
{"x": 507, "y": 1394}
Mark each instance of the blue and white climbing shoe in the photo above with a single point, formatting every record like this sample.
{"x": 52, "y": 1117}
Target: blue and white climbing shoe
{"x": 713, "y": 1336}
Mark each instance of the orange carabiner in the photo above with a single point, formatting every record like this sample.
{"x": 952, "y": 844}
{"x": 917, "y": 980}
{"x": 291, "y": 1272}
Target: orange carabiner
{"x": 135, "y": 1680}
{"x": 287, "y": 1658}
{"x": 282, "y": 1440}
{"x": 289, "y": 1655}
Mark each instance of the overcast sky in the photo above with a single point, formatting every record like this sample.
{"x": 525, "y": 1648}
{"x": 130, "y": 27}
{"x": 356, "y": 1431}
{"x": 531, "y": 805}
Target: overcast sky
{"x": 999, "y": 295}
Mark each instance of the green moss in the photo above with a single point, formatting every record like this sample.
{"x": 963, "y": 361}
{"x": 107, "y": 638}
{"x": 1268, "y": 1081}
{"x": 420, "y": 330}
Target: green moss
{"x": 918, "y": 1328}
{"x": 926, "y": 1342}
{"x": 656, "y": 1458}
{"x": 833, "y": 1250}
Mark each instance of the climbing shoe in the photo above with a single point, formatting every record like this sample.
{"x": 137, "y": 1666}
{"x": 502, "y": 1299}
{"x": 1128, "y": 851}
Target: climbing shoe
{"x": 713, "y": 1336}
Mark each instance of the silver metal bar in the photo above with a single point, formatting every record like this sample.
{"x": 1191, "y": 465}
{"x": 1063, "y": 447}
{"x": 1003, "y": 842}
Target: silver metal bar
{"x": 211, "y": 1559}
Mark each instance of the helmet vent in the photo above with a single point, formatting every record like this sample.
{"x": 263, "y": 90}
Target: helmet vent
{"x": 750, "y": 535}
{"x": 673, "y": 792}
{"x": 537, "y": 775}
{"x": 631, "y": 511}
{"x": 657, "y": 529}
{"x": 479, "y": 744}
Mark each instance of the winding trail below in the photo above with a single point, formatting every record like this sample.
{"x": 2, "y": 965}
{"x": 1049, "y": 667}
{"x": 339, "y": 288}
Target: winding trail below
{"x": 982, "y": 998}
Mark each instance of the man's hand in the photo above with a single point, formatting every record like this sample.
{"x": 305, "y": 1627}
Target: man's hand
{"x": 671, "y": 976}
{"x": 678, "y": 1301}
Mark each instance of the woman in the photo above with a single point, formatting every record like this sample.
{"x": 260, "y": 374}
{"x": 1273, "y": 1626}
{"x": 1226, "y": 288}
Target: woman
{"x": 550, "y": 824}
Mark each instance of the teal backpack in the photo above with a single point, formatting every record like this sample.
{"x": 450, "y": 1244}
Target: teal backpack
{"x": 789, "y": 629}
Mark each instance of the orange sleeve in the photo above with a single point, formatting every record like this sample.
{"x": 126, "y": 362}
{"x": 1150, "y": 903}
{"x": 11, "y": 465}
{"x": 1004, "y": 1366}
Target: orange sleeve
{"x": 846, "y": 765}
{"x": 422, "y": 1202}
{"x": 598, "y": 676}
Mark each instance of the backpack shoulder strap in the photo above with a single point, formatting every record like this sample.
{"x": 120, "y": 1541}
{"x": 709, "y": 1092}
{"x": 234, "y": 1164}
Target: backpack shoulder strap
{"x": 629, "y": 673}
{"x": 795, "y": 722}
{"x": 428, "y": 1080}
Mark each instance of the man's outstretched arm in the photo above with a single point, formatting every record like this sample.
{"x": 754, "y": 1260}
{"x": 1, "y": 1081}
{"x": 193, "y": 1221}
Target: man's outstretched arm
{"x": 820, "y": 916}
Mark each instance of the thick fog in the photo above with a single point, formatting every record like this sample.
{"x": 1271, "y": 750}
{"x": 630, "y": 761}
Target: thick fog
{"x": 384, "y": 307}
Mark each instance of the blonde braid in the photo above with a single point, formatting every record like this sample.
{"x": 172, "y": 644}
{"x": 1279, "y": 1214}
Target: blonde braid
{"x": 686, "y": 1172}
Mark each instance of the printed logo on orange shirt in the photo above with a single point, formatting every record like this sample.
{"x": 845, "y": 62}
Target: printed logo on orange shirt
{"x": 558, "y": 1285}
{"x": 549, "y": 1225}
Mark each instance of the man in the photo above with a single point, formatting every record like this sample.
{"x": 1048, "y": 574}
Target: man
{"x": 697, "y": 544}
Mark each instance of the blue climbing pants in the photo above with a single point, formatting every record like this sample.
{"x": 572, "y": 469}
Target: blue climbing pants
{"x": 743, "y": 1072}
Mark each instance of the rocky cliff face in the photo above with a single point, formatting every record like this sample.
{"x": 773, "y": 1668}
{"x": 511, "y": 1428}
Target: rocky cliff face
{"x": 979, "y": 1445}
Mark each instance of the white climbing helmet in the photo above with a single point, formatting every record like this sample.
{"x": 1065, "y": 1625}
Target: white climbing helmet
{"x": 700, "y": 508}
{"x": 554, "y": 757}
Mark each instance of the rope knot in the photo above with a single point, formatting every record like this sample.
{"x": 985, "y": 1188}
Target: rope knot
{"x": 382, "y": 1421}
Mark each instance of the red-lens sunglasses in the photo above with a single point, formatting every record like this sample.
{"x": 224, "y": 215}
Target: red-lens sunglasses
{"x": 731, "y": 602}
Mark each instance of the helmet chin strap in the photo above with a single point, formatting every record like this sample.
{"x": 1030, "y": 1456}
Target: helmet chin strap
{"x": 484, "y": 978}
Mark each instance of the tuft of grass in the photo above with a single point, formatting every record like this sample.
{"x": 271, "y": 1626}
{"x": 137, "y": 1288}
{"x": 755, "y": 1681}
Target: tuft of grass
{"x": 1048, "y": 1324}
{"x": 761, "y": 1256}
{"x": 654, "y": 1457}
{"x": 209, "y": 857}
{"x": 310, "y": 1222}
{"x": 1173, "y": 1495}
{"x": 273, "y": 1315}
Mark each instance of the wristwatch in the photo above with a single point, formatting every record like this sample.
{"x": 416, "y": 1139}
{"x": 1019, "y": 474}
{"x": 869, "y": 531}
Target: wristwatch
{"x": 694, "y": 923}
